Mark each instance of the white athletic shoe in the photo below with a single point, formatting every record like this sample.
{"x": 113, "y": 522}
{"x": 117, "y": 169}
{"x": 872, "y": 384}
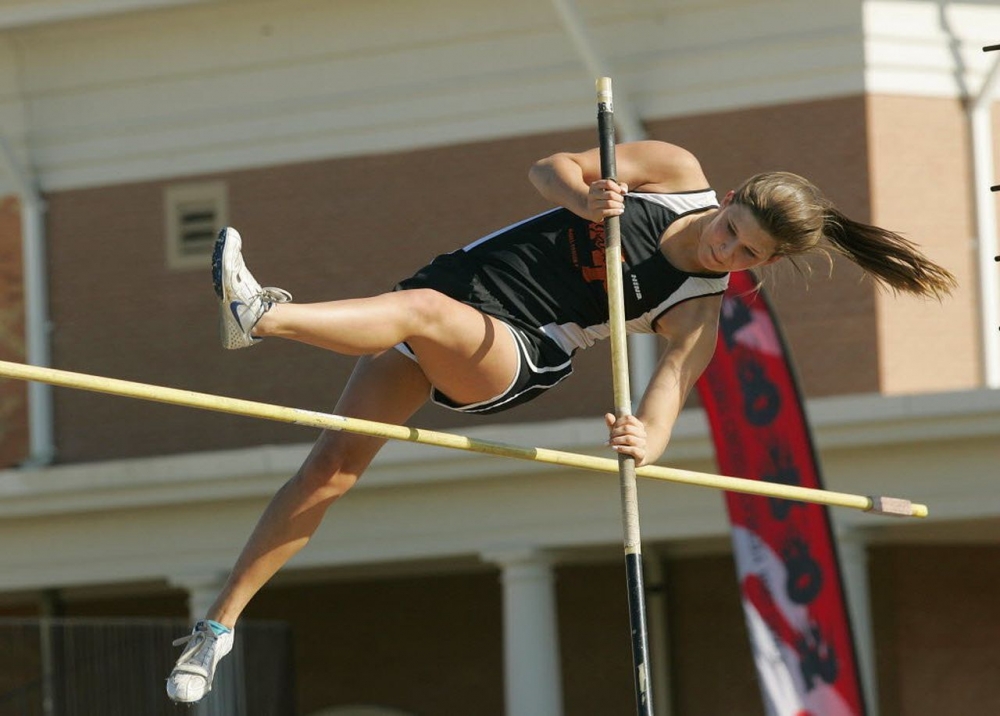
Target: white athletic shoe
{"x": 242, "y": 299}
{"x": 192, "y": 677}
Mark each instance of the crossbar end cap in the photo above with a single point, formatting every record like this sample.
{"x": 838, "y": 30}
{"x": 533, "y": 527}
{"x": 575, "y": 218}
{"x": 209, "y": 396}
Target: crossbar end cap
{"x": 896, "y": 506}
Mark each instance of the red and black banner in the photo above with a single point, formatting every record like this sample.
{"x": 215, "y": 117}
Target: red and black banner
{"x": 786, "y": 558}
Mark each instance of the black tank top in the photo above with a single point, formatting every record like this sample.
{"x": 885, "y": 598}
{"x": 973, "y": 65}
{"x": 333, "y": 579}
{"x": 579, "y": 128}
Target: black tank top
{"x": 549, "y": 270}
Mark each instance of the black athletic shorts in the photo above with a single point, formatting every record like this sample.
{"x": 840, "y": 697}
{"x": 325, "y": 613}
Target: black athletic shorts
{"x": 542, "y": 363}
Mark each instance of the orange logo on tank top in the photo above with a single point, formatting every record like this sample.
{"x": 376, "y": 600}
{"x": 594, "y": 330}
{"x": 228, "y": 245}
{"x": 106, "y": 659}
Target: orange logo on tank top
{"x": 597, "y": 272}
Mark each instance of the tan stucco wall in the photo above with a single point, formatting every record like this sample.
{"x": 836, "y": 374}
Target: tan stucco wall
{"x": 921, "y": 179}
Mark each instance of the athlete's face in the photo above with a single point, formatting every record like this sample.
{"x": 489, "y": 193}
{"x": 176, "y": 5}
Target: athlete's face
{"x": 734, "y": 240}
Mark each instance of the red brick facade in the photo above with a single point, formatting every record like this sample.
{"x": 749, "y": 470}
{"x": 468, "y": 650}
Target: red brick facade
{"x": 13, "y": 393}
{"x": 352, "y": 227}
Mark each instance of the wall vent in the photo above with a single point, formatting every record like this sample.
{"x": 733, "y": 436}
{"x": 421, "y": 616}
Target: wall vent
{"x": 195, "y": 214}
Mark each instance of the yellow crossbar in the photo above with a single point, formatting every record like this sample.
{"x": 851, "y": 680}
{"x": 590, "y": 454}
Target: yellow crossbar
{"x": 249, "y": 408}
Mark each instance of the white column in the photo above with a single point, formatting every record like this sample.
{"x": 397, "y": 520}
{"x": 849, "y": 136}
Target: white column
{"x": 532, "y": 674}
{"x": 229, "y": 688}
{"x": 853, "y": 549}
{"x": 202, "y": 590}
{"x": 657, "y": 620}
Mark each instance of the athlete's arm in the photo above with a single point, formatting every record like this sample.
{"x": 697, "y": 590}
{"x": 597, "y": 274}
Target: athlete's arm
{"x": 690, "y": 329}
{"x": 573, "y": 180}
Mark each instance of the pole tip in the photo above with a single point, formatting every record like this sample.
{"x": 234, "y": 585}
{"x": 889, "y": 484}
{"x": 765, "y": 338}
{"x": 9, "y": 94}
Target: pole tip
{"x": 604, "y": 90}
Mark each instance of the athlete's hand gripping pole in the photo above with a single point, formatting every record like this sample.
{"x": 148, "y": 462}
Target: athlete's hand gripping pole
{"x": 623, "y": 406}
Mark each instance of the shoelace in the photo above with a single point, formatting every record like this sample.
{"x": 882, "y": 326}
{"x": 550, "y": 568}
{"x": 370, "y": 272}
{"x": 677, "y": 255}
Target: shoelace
{"x": 275, "y": 295}
{"x": 196, "y": 652}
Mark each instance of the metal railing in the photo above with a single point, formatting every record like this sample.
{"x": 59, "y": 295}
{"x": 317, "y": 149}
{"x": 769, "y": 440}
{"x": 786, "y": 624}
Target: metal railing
{"x": 118, "y": 667}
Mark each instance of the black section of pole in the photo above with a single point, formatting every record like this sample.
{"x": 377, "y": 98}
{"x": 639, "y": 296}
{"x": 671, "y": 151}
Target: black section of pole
{"x": 640, "y": 633}
{"x": 623, "y": 406}
{"x": 606, "y": 132}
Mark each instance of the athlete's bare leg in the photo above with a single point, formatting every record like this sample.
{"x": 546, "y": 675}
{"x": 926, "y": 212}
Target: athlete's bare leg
{"x": 468, "y": 356}
{"x": 388, "y": 387}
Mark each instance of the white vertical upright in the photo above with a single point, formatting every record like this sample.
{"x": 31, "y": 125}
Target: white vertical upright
{"x": 41, "y": 438}
{"x": 228, "y": 697}
{"x": 853, "y": 549}
{"x": 980, "y": 109}
{"x": 202, "y": 589}
{"x": 658, "y": 621}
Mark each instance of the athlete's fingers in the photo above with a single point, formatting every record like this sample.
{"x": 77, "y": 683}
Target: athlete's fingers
{"x": 627, "y": 436}
{"x": 626, "y": 430}
{"x": 606, "y": 198}
{"x": 609, "y": 191}
{"x": 636, "y": 453}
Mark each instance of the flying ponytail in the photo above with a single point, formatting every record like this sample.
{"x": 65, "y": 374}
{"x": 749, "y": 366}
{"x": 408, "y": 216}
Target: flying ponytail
{"x": 797, "y": 215}
{"x": 887, "y": 256}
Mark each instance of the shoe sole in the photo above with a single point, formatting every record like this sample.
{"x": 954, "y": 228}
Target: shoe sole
{"x": 227, "y": 246}
{"x": 219, "y": 259}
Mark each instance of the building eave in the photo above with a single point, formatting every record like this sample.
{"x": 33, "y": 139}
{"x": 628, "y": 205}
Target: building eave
{"x": 47, "y": 12}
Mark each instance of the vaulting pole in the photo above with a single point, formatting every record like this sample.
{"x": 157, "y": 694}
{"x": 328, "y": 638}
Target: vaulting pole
{"x": 623, "y": 406}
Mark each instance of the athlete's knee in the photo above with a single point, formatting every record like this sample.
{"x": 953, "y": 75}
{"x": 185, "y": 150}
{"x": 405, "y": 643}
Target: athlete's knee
{"x": 335, "y": 464}
{"x": 427, "y": 309}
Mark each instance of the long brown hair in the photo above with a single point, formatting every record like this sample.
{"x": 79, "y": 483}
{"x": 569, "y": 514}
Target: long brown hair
{"x": 798, "y": 216}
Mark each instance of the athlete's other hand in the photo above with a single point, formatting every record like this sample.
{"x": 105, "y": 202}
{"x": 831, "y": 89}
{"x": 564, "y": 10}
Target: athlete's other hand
{"x": 627, "y": 436}
{"x": 605, "y": 198}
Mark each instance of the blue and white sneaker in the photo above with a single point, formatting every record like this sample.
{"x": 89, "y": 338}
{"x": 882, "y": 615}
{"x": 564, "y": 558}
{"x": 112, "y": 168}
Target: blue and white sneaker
{"x": 194, "y": 672}
{"x": 243, "y": 301}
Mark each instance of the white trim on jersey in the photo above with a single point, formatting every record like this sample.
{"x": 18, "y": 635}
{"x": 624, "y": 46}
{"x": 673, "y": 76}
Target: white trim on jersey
{"x": 677, "y": 203}
{"x": 572, "y": 336}
{"x": 681, "y": 203}
{"x": 505, "y": 229}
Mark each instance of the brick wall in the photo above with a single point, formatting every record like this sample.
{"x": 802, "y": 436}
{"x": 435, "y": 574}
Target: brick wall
{"x": 351, "y": 227}
{"x": 936, "y": 625}
{"x": 13, "y": 394}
